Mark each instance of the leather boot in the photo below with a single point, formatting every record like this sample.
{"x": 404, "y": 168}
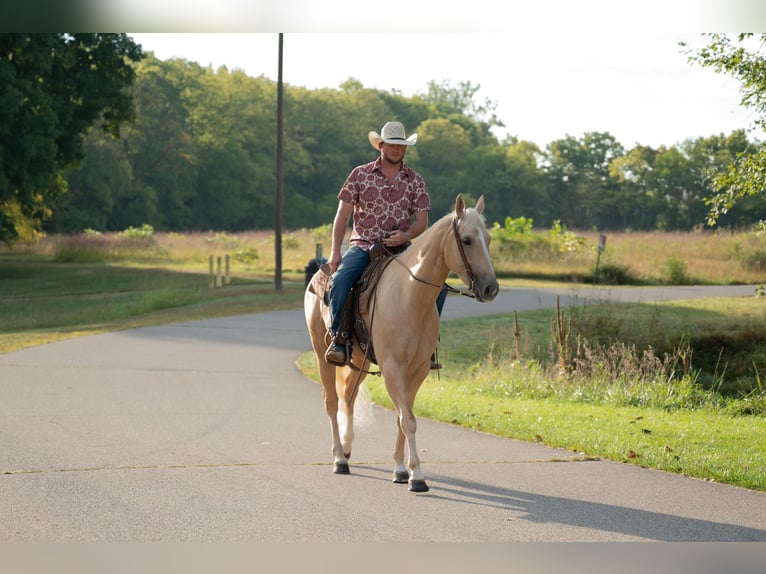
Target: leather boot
{"x": 336, "y": 353}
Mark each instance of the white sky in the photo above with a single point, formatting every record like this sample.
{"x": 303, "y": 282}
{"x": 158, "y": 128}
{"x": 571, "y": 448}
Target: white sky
{"x": 634, "y": 84}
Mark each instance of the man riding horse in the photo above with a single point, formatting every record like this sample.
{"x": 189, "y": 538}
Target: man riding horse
{"x": 387, "y": 201}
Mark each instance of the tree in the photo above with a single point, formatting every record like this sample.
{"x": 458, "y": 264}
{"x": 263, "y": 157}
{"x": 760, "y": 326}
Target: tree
{"x": 525, "y": 191}
{"x": 93, "y": 190}
{"x": 634, "y": 173}
{"x": 707, "y": 156}
{"x": 441, "y": 156}
{"x": 673, "y": 183}
{"x": 161, "y": 146}
{"x": 586, "y": 194}
{"x": 740, "y": 58}
{"x": 55, "y": 86}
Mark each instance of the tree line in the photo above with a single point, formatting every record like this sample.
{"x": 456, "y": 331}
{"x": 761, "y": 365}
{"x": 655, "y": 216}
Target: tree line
{"x": 198, "y": 152}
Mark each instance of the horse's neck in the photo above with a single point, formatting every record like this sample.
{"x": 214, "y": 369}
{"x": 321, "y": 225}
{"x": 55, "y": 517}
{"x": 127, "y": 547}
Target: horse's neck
{"x": 425, "y": 257}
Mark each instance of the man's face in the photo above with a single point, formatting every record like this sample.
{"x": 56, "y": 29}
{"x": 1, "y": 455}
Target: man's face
{"x": 393, "y": 153}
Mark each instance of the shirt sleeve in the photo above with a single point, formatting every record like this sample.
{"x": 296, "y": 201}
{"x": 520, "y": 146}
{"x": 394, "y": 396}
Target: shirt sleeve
{"x": 422, "y": 200}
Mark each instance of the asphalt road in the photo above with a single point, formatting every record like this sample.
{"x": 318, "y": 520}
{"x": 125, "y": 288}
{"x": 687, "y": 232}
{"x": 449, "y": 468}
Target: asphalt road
{"x": 207, "y": 431}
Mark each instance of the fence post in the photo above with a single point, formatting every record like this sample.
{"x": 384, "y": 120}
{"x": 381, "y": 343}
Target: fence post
{"x": 601, "y": 247}
{"x": 211, "y": 278}
{"x": 227, "y": 278}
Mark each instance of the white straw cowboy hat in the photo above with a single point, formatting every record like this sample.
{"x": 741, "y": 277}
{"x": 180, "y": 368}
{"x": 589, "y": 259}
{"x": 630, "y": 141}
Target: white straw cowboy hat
{"x": 392, "y": 133}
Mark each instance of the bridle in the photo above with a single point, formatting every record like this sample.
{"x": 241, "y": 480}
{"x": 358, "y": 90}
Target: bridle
{"x": 470, "y": 291}
{"x": 468, "y": 269}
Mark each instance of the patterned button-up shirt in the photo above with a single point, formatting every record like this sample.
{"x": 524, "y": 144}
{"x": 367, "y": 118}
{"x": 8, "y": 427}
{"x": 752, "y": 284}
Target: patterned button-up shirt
{"x": 380, "y": 206}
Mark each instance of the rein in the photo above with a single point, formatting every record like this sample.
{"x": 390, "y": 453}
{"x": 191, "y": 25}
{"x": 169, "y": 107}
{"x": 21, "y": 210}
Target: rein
{"x": 359, "y": 370}
{"x": 468, "y": 269}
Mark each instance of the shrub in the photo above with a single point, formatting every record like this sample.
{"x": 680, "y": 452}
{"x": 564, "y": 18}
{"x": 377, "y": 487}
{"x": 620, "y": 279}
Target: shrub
{"x": 674, "y": 271}
{"x": 146, "y": 231}
{"x": 246, "y": 255}
{"x": 614, "y": 274}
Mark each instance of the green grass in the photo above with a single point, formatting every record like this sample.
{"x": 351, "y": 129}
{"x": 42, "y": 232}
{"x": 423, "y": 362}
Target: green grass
{"x": 43, "y": 301}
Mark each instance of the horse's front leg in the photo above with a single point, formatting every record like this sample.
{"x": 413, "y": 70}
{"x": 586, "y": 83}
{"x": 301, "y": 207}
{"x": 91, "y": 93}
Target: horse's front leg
{"x": 408, "y": 426}
{"x": 403, "y": 402}
{"x": 330, "y": 397}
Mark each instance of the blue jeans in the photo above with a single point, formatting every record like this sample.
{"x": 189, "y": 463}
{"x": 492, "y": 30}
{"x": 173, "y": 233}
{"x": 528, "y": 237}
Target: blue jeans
{"x": 345, "y": 277}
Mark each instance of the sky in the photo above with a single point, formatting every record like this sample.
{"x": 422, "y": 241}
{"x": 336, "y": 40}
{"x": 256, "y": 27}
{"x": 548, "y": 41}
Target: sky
{"x": 635, "y": 84}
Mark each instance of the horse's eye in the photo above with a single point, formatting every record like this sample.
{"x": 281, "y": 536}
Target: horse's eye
{"x": 467, "y": 241}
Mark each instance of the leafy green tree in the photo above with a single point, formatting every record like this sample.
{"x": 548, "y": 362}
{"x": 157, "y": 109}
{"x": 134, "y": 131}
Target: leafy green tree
{"x": 441, "y": 156}
{"x": 104, "y": 176}
{"x": 161, "y": 147}
{"x": 55, "y": 86}
{"x": 525, "y": 189}
{"x": 586, "y": 194}
{"x": 706, "y": 156}
{"x": 326, "y": 136}
{"x": 739, "y": 56}
{"x": 673, "y": 183}
{"x": 461, "y": 100}
{"x": 201, "y": 155}
{"x": 633, "y": 173}
{"x": 234, "y": 134}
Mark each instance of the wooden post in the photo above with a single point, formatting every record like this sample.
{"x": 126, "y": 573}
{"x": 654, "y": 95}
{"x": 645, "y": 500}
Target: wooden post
{"x": 211, "y": 278}
{"x": 227, "y": 277}
{"x": 601, "y": 247}
{"x": 218, "y": 282}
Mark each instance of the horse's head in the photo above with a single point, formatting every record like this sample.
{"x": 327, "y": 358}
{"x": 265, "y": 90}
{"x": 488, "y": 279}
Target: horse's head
{"x": 470, "y": 258}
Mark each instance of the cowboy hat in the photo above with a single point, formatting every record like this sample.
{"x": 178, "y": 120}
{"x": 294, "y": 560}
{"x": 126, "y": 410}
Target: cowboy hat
{"x": 392, "y": 133}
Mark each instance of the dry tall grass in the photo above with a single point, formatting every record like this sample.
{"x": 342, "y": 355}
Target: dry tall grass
{"x": 699, "y": 257}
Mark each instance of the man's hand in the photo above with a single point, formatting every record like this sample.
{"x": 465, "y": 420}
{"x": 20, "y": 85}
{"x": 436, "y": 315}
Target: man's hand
{"x": 334, "y": 261}
{"x": 396, "y": 237}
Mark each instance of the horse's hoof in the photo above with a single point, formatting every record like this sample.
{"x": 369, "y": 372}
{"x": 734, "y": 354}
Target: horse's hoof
{"x": 341, "y": 468}
{"x": 418, "y": 486}
{"x": 401, "y": 476}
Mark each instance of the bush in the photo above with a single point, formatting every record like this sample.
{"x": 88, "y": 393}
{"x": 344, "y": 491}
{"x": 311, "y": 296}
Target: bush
{"x": 674, "y": 271}
{"x": 146, "y": 231}
{"x": 614, "y": 274}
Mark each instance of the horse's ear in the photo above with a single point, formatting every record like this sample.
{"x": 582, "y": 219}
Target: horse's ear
{"x": 459, "y": 205}
{"x": 480, "y": 205}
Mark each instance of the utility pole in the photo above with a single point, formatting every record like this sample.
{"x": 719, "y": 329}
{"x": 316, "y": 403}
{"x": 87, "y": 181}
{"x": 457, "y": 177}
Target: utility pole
{"x": 278, "y": 215}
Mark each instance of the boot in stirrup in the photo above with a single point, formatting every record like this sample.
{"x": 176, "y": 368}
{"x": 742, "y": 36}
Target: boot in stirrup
{"x": 336, "y": 353}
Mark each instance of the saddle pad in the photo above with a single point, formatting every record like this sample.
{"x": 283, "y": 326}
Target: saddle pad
{"x": 319, "y": 282}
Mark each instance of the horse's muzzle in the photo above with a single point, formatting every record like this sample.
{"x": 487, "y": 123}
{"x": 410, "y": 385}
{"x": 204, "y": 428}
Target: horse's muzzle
{"x": 485, "y": 293}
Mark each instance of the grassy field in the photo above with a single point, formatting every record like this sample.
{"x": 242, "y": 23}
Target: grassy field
{"x": 676, "y": 386}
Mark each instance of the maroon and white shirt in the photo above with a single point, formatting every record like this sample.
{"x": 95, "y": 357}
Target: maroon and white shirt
{"x": 380, "y": 206}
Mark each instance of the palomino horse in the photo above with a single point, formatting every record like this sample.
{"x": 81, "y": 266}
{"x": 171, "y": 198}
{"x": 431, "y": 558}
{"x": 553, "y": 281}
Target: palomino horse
{"x": 403, "y": 325}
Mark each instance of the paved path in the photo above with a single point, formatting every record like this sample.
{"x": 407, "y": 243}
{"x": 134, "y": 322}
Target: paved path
{"x": 206, "y": 431}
